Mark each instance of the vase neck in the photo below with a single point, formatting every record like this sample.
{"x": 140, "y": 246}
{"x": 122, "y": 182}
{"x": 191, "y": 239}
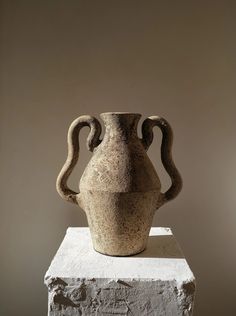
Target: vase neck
{"x": 120, "y": 125}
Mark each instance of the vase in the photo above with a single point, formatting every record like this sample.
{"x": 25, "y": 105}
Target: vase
{"x": 119, "y": 189}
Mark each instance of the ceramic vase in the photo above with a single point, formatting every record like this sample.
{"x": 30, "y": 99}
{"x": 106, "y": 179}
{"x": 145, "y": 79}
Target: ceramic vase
{"x": 119, "y": 189}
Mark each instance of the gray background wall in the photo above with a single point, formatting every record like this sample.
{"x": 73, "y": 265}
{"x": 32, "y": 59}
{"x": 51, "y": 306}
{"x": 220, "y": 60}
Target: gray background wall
{"x": 62, "y": 59}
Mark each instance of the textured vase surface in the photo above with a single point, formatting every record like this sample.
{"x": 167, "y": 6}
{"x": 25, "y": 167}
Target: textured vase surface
{"x": 119, "y": 189}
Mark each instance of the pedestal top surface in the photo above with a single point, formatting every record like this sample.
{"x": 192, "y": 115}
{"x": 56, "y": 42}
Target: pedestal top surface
{"x": 162, "y": 259}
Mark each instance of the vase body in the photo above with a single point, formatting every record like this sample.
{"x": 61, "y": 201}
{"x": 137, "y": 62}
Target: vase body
{"x": 119, "y": 188}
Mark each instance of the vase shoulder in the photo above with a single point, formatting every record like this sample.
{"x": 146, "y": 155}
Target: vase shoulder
{"x": 118, "y": 166}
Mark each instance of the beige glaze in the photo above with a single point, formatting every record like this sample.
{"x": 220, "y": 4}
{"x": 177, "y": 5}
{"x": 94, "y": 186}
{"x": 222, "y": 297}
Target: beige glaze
{"x": 119, "y": 189}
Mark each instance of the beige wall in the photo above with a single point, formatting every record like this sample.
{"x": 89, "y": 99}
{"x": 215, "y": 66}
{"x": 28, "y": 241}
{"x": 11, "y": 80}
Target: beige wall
{"x": 62, "y": 59}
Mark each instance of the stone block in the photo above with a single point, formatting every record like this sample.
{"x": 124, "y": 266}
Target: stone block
{"x": 156, "y": 282}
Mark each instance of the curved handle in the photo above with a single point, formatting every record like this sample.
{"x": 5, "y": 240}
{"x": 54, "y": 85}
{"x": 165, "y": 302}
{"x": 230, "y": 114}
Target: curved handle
{"x": 73, "y": 153}
{"x": 166, "y": 156}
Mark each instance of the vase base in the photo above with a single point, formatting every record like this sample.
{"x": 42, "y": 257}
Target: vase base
{"x": 119, "y": 255}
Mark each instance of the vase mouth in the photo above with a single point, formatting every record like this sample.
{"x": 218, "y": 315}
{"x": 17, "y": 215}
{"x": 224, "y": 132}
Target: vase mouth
{"x": 120, "y": 114}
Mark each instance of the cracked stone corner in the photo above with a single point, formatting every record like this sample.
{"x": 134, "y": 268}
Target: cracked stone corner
{"x": 185, "y": 296}
{"x": 54, "y": 283}
{"x": 187, "y": 287}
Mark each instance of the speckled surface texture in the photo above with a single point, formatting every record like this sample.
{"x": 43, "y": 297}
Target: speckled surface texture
{"x": 119, "y": 189}
{"x": 156, "y": 282}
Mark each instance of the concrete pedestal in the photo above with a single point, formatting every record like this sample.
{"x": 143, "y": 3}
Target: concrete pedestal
{"x": 156, "y": 282}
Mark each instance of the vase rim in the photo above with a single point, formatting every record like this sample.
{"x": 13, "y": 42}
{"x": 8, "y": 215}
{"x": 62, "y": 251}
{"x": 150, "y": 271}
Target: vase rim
{"x": 120, "y": 113}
